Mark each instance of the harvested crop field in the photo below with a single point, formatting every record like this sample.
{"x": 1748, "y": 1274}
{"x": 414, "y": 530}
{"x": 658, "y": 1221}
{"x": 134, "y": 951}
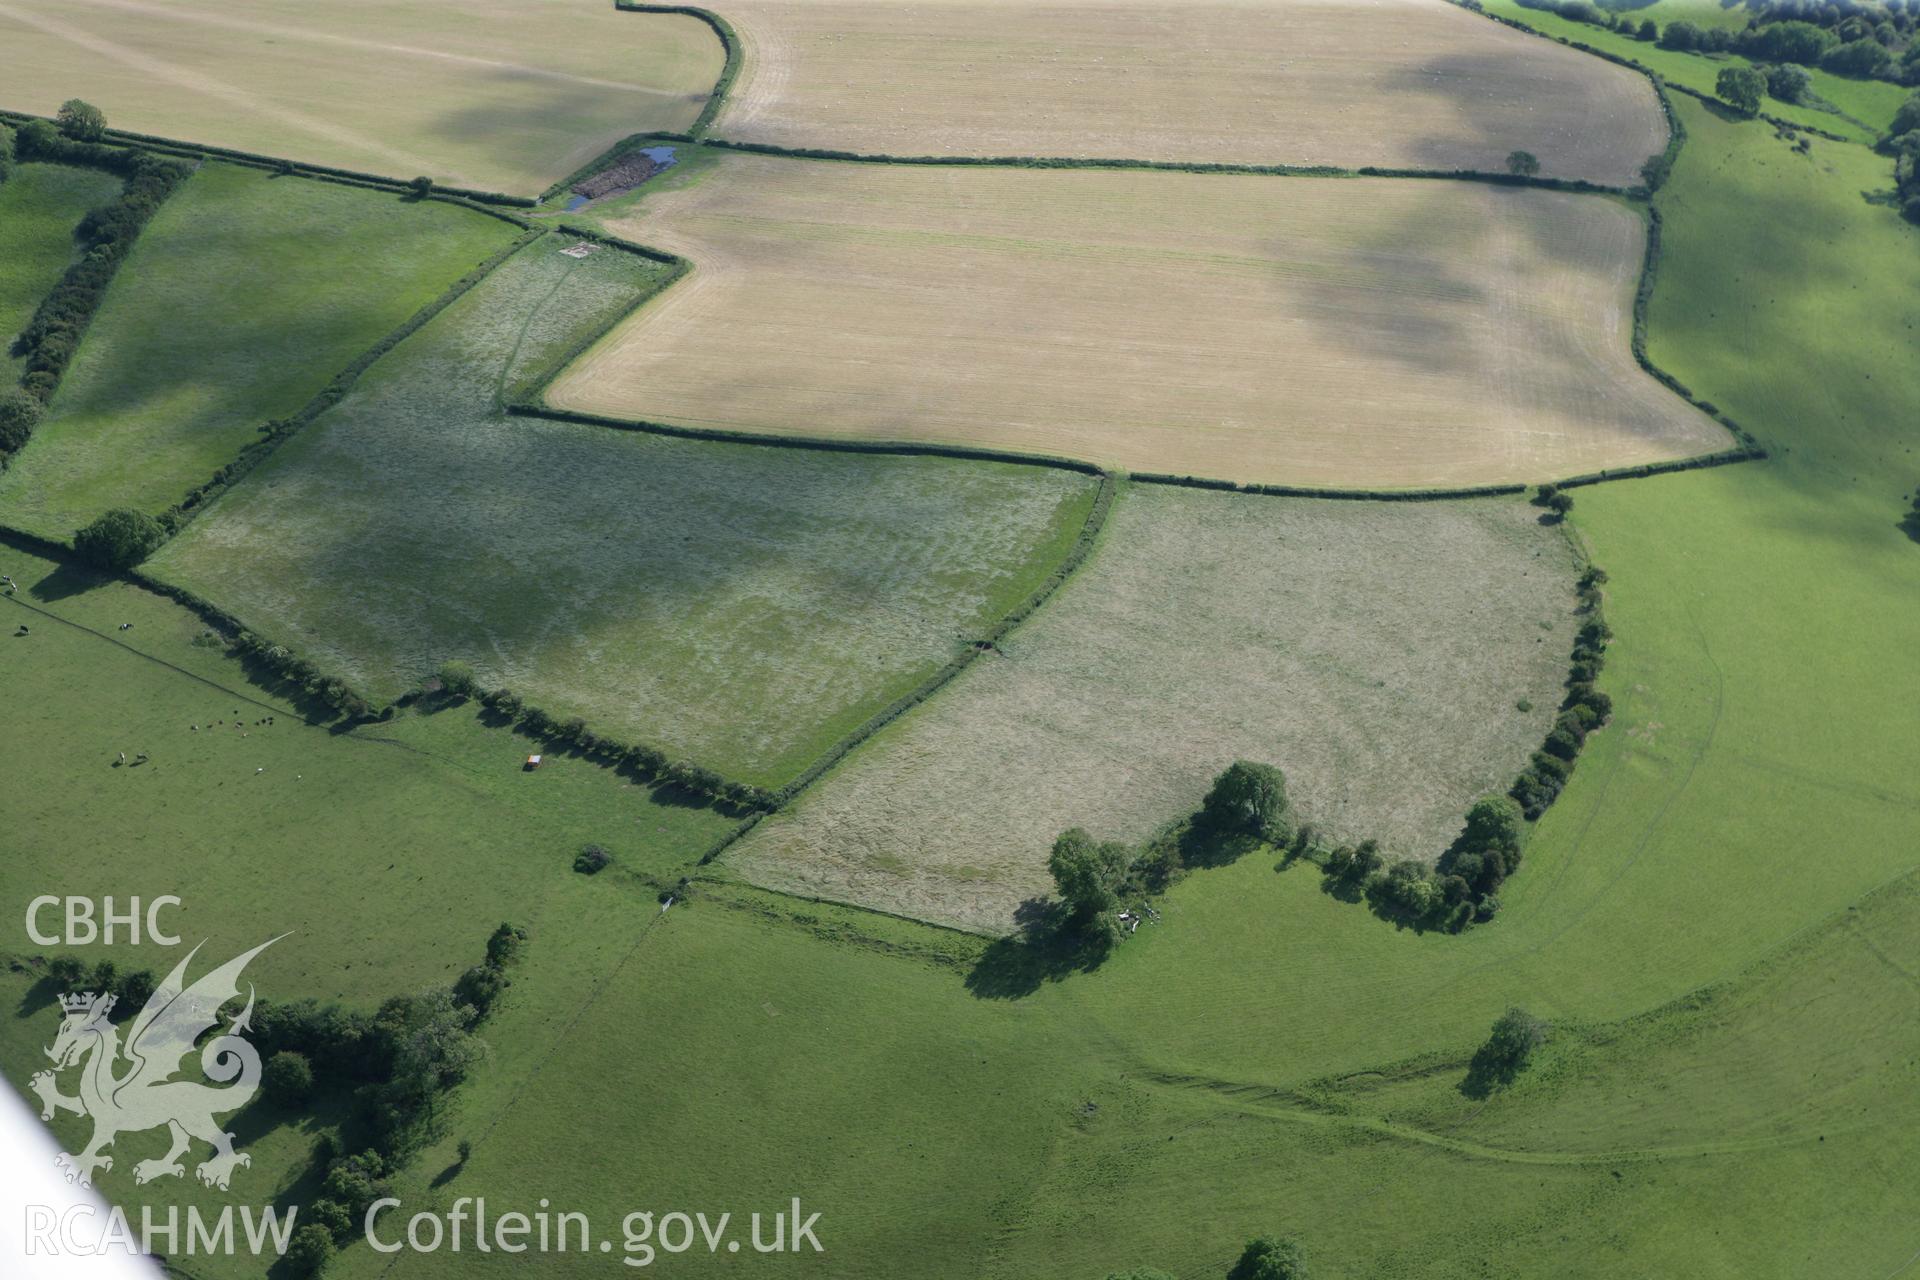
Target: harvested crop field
{"x": 504, "y": 95}
{"x": 1377, "y": 652}
{"x": 1321, "y": 331}
{"x": 242, "y": 298}
{"x": 739, "y": 605}
{"x": 1393, "y": 83}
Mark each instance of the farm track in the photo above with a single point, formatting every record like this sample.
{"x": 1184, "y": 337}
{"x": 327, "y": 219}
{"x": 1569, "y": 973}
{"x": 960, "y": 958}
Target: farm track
{"x": 1654, "y": 822}
{"x": 247, "y": 698}
{"x": 237, "y": 694}
{"x": 560, "y": 1040}
{"x": 689, "y": 287}
{"x": 1284, "y": 1104}
{"x": 1278, "y": 1103}
{"x": 497, "y": 101}
{"x": 232, "y": 96}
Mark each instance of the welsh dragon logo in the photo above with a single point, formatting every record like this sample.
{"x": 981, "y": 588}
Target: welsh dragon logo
{"x": 143, "y": 1095}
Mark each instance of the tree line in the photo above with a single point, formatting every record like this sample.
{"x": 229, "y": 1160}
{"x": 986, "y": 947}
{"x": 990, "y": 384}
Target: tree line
{"x": 1862, "y": 42}
{"x": 104, "y": 238}
{"x": 644, "y": 761}
{"x": 397, "y": 1064}
{"x": 1248, "y": 806}
{"x": 1903, "y": 141}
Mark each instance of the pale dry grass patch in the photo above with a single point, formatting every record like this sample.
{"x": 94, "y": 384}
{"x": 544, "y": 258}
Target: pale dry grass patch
{"x": 1377, "y": 652}
{"x": 1393, "y": 83}
{"x": 500, "y": 94}
{"x": 1322, "y": 331}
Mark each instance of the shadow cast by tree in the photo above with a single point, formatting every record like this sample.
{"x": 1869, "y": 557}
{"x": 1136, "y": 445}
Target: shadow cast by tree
{"x": 1044, "y": 950}
{"x": 1508, "y": 1050}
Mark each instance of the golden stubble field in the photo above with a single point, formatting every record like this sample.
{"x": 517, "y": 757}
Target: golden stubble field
{"x": 1378, "y": 652}
{"x": 501, "y": 94}
{"x": 1322, "y": 331}
{"x": 1396, "y": 83}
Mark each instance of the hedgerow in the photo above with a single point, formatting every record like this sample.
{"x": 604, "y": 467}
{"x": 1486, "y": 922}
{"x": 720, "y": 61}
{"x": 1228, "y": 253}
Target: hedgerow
{"x": 277, "y": 431}
{"x": 641, "y": 760}
{"x": 827, "y": 444}
{"x": 1355, "y": 495}
{"x": 729, "y": 43}
{"x": 650, "y": 763}
{"x": 1171, "y": 166}
{"x": 397, "y": 1063}
{"x": 1082, "y": 547}
{"x": 105, "y": 236}
{"x": 194, "y": 151}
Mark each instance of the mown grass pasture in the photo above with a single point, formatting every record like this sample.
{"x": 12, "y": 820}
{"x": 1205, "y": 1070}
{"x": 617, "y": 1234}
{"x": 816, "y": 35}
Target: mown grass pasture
{"x": 342, "y": 840}
{"x": 244, "y": 296}
{"x": 1377, "y": 652}
{"x": 40, "y": 205}
{"x": 343, "y": 837}
{"x": 1390, "y": 333}
{"x": 1068, "y": 1119}
{"x": 1733, "y": 1106}
{"x": 742, "y": 606}
{"x": 504, "y": 95}
{"x": 1716, "y": 919}
{"x": 851, "y": 1073}
{"x": 1394, "y": 83}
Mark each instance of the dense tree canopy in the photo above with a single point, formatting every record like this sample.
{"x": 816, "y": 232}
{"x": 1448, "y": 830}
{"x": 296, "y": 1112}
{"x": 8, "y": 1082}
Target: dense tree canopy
{"x": 1251, "y": 799}
{"x": 1740, "y": 88}
{"x": 1268, "y": 1259}
{"x": 1085, "y": 873}
{"x": 81, "y": 121}
{"x": 119, "y": 539}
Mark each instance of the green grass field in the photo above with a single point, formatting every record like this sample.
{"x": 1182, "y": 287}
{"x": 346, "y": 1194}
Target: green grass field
{"x": 242, "y": 298}
{"x": 741, "y": 605}
{"x": 343, "y": 838}
{"x": 1869, "y": 103}
{"x": 1727, "y": 1134}
{"x": 1719, "y": 916}
{"x": 1751, "y": 789}
{"x": 793, "y": 1063}
{"x": 40, "y": 205}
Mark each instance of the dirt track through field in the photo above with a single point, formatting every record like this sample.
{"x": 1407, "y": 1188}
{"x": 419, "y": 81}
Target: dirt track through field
{"x": 1320, "y": 331}
{"x": 1395, "y": 83}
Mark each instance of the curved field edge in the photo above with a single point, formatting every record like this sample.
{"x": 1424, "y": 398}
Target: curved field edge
{"x": 1261, "y": 979}
{"x": 503, "y": 100}
{"x": 1695, "y": 73}
{"x": 241, "y": 772}
{"x": 776, "y": 254}
{"x": 1732, "y": 1104}
{"x": 601, "y": 545}
{"x": 151, "y": 407}
{"x": 1397, "y": 660}
{"x": 1198, "y": 52}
